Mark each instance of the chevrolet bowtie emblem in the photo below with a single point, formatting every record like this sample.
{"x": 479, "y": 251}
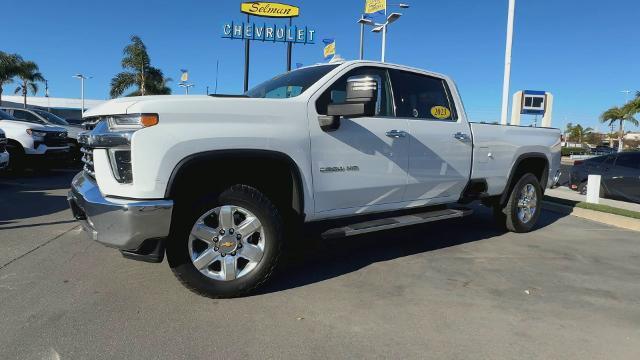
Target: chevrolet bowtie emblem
{"x": 227, "y": 244}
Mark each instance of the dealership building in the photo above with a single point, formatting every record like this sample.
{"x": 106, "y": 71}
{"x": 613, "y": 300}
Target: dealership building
{"x": 70, "y": 109}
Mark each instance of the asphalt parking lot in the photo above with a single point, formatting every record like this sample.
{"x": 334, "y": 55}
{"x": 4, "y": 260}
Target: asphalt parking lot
{"x": 456, "y": 289}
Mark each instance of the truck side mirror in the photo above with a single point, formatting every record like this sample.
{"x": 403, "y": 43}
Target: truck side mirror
{"x": 362, "y": 92}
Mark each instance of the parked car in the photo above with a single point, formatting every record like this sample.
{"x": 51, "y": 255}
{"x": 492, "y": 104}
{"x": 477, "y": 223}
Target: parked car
{"x": 30, "y": 143}
{"x": 38, "y": 116}
{"x": 218, "y": 182}
{"x": 4, "y": 155}
{"x": 603, "y": 150}
{"x": 620, "y": 175}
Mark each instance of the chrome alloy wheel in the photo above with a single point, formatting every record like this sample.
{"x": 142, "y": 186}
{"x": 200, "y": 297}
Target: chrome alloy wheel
{"x": 527, "y": 203}
{"x": 226, "y": 243}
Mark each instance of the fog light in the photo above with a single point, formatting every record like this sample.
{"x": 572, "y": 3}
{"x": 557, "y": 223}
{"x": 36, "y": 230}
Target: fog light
{"x": 121, "y": 164}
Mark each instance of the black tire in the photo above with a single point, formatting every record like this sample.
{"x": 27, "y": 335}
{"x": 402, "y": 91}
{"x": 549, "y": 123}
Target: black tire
{"x": 16, "y": 157}
{"x": 190, "y": 210}
{"x": 582, "y": 188}
{"x": 507, "y": 217}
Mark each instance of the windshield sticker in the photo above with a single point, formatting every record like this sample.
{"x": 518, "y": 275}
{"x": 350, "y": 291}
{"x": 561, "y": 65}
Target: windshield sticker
{"x": 440, "y": 112}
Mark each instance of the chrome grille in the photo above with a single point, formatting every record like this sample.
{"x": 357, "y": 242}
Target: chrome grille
{"x": 87, "y": 159}
{"x": 3, "y": 143}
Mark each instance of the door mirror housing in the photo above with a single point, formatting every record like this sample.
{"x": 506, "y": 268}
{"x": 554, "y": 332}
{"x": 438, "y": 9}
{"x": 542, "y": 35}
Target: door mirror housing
{"x": 362, "y": 93}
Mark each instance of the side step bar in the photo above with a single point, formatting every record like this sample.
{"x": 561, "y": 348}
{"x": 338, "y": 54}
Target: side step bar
{"x": 395, "y": 222}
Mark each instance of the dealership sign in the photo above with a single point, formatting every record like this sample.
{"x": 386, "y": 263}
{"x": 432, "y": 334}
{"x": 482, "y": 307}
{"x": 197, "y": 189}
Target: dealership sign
{"x": 269, "y": 9}
{"x": 264, "y": 32}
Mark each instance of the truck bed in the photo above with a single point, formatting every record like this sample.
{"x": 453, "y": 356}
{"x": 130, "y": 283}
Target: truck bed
{"x": 496, "y": 148}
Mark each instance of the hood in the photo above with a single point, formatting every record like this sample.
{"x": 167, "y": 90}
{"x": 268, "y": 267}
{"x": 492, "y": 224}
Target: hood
{"x": 191, "y": 104}
{"x": 29, "y": 125}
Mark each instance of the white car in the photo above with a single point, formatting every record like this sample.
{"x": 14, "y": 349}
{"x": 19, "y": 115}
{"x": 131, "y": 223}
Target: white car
{"x": 219, "y": 182}
{"x": 30, "y": 143}
{"x": 4, "y": 155}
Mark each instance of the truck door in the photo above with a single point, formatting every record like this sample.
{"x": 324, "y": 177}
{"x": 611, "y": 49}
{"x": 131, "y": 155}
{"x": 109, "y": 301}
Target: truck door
{"x": 363, "y": 163}
{"x": 440, "y": 144}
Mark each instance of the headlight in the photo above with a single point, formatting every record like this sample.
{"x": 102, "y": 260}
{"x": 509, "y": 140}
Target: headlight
{"x": 36, "y": 133}
{"x": 130, "y": 122}
{"x": 121, "y": 164}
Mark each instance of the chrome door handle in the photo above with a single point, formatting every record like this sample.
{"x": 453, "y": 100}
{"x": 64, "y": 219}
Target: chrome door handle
{"x": 396, "y": 133}
{"x": 461, "y": 136}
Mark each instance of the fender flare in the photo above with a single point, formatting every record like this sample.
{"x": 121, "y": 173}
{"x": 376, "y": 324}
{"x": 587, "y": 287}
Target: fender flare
{"x": 211, "y": 155}
{"x": 511, "y": 181}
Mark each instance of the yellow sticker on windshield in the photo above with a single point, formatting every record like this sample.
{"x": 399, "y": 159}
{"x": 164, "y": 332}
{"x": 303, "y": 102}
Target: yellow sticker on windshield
{"x": 440, "y": 112}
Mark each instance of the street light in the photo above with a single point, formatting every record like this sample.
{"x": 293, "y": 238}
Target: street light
{"x": 363, "y": 21}
{"x": 82, "y": 78}
{"x": 186, "y": 87}
{"x": 507, "y": 63}
{"x": 383, "y": 27}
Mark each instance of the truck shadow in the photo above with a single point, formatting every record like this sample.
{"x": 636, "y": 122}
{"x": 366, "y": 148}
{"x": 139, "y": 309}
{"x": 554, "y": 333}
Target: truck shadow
{"x": 31, "y": 194}
{"x": 314, "y": 260}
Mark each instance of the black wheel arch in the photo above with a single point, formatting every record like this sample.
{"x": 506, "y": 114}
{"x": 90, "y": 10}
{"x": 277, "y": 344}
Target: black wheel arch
{"x": 538, "y": 166}
{"x": 264, "y": 157}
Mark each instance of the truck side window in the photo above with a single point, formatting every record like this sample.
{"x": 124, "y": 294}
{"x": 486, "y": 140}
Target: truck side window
{"x": 26, "y": 116}
{"x": 422, "y": 97}
{"x": 337, "y": 92}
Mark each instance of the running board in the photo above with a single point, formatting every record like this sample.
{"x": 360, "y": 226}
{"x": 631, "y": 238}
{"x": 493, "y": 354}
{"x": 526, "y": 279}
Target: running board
{"x": 395, "y": 222}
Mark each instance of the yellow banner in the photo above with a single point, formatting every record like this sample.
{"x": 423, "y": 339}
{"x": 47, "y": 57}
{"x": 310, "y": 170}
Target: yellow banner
{"x": 184, "y": 77}
{"x": 373, "y": 6}
{"x": 330, "y": 50}
{"x": 269, "y": 9}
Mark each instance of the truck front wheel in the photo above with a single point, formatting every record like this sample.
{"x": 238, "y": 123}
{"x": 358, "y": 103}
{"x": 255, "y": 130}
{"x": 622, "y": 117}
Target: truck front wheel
{"x": 523, "y": 208}
{"x": 226, "y": 245}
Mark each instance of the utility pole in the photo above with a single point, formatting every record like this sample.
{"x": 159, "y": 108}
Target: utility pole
{"x": 82, "y": 79}
{"x": 246, "y": 58}
{"x": 215, "y": 90}
{"x": 507, "y": 63}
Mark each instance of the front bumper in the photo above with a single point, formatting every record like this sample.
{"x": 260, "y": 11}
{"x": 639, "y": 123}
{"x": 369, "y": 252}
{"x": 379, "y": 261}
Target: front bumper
{"x": 118, "y": 223}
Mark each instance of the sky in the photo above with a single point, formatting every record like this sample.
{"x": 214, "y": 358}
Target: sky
{"x": 584, "y": 52}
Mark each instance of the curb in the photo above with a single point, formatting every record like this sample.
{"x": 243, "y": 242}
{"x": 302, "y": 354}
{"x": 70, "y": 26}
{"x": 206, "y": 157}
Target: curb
{"x": 598, "y": 216}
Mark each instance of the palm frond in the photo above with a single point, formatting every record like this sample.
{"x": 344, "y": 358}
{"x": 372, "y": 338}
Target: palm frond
{"x": 121, "y": 82}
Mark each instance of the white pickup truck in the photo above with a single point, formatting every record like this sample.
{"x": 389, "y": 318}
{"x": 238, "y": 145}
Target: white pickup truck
{"x": 219, "y": 182}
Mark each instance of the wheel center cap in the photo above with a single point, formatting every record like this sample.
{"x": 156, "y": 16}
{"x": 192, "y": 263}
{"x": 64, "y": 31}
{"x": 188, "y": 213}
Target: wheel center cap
{"x": 227, "y": 244}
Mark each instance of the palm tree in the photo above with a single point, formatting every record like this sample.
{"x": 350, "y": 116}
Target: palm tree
{"x": 29, "y": 75}
{"x": 579, "y": 132}
{"x": 139, "y": 73}
{"x": 621, "y": 114}
{"x": 8, "y": 69}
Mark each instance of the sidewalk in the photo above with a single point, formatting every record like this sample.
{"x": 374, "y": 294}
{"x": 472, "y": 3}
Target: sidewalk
{"x": 568, "y": 194}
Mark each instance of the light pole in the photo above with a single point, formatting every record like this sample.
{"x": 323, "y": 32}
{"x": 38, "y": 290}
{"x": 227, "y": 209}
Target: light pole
{"x": 82, "y": 78}
{"x": 186, "y": 87}
{"x": 363, "y": 21}
{"x": 507, "y": 63}
{"x": 383, "y": 27}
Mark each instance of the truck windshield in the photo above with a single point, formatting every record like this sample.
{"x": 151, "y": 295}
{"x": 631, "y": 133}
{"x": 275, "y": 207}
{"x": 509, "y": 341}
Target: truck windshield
{"x": 52, "y": 118}
{"x": 290, "y": 84}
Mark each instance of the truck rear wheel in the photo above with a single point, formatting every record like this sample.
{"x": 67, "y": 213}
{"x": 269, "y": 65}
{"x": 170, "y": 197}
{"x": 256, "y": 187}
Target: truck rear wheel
{"x": 226, "y": 245}
{"x": 522, "y": 210}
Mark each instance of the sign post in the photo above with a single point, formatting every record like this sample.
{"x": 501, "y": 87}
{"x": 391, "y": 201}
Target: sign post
{"x": 246, "y": 59}
{"x": 249, "y": 31}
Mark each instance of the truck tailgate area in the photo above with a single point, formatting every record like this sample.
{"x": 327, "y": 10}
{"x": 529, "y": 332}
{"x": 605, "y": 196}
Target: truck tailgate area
{"x": 496, "y": 148}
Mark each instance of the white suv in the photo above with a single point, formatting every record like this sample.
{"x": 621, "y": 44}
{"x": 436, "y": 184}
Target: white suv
{"x": 28, "y": 142}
